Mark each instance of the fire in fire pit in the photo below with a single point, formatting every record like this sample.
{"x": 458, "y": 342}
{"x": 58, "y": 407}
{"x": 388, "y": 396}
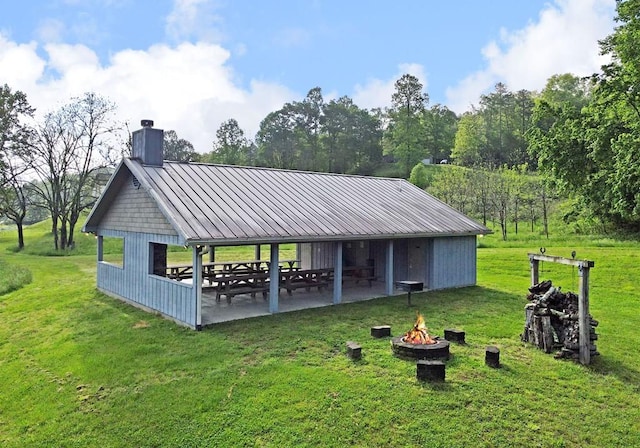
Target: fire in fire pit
{"x": 418, "y": 344}
{"x": 418, "y": 334}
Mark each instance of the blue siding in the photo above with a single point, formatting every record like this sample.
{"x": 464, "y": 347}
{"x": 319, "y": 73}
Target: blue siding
{"x": 400, "y": 260}
{"x": 453, "y": 262}
{"x": 134, "y": 283}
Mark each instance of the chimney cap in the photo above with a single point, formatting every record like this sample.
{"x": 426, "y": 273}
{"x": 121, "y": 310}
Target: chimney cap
{"x": 146, "y": 123}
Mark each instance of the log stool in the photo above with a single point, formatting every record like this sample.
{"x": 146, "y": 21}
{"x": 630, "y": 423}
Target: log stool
{"x": 381, "y": 331}
{"x": 452, "y": 335}
{"x": 354, "y": 351}
{"x": 492, "y": 357}
{"x": 430, "y": 370}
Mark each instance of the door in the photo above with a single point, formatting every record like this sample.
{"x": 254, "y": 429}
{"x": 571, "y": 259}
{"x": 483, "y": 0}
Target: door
{"x": 416, "y": 261}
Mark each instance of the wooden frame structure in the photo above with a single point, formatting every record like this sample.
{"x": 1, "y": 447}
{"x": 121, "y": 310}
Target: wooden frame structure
{"x": 584, "y": 267}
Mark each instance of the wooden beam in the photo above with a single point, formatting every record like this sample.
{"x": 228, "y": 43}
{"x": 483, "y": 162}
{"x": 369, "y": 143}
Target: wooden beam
{"x": 562, "y": 260}
{"x": 583, "y": 315}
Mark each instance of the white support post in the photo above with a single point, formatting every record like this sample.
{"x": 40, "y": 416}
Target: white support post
{"x": 389, "y": 269}
{"x": 583, "y": 315}
{"x": 274, "y": 279}
{"x": 337, "y": 274}
{"x": 197, "y": 284}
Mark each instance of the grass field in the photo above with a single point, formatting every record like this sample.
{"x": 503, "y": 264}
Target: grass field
{"x": 81, "y": 369}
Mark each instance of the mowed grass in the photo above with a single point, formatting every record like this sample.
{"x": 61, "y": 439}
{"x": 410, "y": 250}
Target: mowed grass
{"x": 81, "y": 369}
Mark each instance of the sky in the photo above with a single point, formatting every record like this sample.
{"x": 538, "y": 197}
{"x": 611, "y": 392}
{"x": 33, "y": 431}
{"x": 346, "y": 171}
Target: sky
{"x": 190, "y": 65}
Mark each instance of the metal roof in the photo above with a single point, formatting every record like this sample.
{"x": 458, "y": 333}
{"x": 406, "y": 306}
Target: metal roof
{"x": 221, "y": 204}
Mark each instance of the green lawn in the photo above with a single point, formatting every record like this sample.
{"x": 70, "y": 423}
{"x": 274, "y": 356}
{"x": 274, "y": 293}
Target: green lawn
{"x": 80, "y": 369}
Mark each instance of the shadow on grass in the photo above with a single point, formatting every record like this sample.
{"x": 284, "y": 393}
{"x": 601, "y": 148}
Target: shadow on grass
{"x": 605, "y": 365}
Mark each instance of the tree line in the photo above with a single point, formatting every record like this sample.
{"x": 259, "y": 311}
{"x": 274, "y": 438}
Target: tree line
{"x": 581, "y": 135}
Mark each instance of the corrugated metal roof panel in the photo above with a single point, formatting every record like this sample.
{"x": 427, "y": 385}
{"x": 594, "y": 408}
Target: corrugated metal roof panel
{"x": 220, "y": 204}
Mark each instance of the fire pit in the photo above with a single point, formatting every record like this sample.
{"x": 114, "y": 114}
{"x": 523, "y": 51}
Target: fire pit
{"x": 418, "y": 344}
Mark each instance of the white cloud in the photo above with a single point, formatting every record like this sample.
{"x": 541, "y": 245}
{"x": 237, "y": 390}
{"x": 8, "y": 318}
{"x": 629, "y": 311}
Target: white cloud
{"x": 564, "y": 39}
{"x": 50, "y": 30}
{"x": 193, "y": 19}
{"x": 378, "y": 92}
{"x": 188, "y": 88}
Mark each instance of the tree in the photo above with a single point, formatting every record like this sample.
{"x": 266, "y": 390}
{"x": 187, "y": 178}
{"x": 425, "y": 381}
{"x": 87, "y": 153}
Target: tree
{"x": 14, "y": 139}
{"x": 178, "y": 149}
{"x": 405, "y": 133}
{"x": 350, "y": 137}
{"x": 72, "y": 144}
{"x": 556, "y": 139}
{"x": 419, "y": 176}
{"x": 613, "y": 124}
{"x": 470, "y": 140}
{"x": 277, "y": 141}
{"x": 14, "y": 200}
{"x": 441, "y": 125}
{"x": 14, "y": 132}
{"x": 231, "y": 147}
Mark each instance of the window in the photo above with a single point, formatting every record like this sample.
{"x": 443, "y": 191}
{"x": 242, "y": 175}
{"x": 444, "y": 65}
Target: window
{"x": 111, "y": 250}
{"x": 158, "y": 259}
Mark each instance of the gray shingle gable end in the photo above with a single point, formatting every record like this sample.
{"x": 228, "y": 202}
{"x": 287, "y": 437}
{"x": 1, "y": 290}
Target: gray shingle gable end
{"x": 221, "y": 204}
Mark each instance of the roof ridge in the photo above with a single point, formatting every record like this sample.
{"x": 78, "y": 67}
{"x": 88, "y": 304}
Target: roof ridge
{"x": 286, "y": 170}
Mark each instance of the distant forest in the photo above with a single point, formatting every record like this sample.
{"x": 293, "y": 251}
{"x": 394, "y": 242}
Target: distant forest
{"x": 507, "y": 160}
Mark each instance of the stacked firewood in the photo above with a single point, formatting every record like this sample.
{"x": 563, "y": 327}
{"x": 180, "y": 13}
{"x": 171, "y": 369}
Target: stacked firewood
{"x": 551, "y": 322}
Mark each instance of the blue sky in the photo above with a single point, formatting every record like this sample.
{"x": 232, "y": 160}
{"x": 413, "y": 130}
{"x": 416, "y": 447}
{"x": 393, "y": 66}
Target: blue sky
{"x": 191, "y": 64}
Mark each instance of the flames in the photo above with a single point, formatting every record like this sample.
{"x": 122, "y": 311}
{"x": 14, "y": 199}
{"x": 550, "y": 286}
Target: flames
{"x": 418, "y": 334}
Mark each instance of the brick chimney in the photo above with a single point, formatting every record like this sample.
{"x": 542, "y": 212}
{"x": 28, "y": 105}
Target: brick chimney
{"x": 147, "y": 144}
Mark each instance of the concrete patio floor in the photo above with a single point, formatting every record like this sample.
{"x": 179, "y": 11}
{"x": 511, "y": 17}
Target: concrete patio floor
{"x": 244, "y": 306}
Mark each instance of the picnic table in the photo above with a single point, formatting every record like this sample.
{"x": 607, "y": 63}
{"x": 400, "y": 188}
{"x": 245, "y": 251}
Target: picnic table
{"x": 214, "y": 269}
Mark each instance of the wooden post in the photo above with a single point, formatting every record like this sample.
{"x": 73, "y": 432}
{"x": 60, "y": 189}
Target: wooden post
{"x": 389, "y": 269}
{"x": 274, "y": 279}
{"x": 257, "y": 252}
{"x": 212, "y": 254}
{"x": 337, "y": 274}
{"x": 583, "y": 314}
{"x": 535, "y": 278}
{"x": 197, "y": 284}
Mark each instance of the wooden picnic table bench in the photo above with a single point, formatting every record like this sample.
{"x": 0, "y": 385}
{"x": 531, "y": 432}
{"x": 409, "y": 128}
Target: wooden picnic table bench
{"x": 305, "y": 278}
{"x": 214, "y": 269}
{"x": 233, "y": 284}
{"x": 358, "y": 273}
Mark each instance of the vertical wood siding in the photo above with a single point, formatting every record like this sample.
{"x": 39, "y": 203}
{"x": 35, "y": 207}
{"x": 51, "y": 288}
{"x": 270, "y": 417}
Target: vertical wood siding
{"x": 400, "y": 260}
{"x": 134, "y": 283}
{"x": 453, "y": 262}
{"x": 322, "y": 255}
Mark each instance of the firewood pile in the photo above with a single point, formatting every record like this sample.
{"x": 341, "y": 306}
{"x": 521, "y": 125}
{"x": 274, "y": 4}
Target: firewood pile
{"x": 551, "y": 322}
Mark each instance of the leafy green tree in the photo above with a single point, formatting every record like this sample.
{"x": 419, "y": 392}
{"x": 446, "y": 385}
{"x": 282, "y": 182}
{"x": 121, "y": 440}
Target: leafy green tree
{"x": 15, "y": 136}
{"x": 613, "y": 127}
{"x": 178, "y": 149}
{"x": 350, "y": 137}
{"x": 441, "y": 125}
{"x": 419, "y": 175}
{"x": 277, "y": 140}
{"x": 405, "y": 133}
{"x": 557, "y": 139}
{"x": 231, "y": 147}
{"x": 15, "y": 133}
{"x": 470, "y": 140}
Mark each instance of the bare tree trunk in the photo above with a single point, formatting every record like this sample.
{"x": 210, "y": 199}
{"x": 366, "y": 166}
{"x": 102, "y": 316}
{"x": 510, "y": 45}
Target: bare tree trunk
{"x": 20, "y": 235}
